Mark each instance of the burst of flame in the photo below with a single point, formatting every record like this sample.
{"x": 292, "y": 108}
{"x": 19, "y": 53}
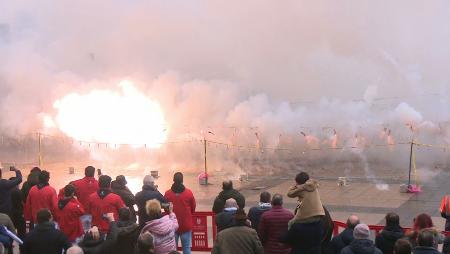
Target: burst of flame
{"x": 115, "y": 117}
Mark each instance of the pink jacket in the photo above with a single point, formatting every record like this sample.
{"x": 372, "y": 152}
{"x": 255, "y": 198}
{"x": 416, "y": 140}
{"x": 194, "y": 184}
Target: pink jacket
{"x": 163, "y": 231}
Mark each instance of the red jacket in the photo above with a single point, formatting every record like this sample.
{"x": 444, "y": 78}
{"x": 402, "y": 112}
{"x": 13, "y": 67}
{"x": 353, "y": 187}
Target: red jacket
{"x": 40, "y": 196}
{"x": 69, "y": 213}
{"x": 103, "y": 202}
{"x": 183, "y": 207}
{"x": 272, "y": 225}
{"x": 84, "y": 187}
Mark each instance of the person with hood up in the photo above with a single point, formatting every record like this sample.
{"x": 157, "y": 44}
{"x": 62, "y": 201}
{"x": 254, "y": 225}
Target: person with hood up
{"x": 69, "y": 212}
{"x": 149, "y": 191}
{"x": 32, "y": 180}
{"x": 361, "y": 243}
{"x": 184, "y": 206}
{"x": 310, "y": 208}
{"x": 41, "y": 196}
{"x": 254, "y": 214}
{"x": 345, "y": 237}
{"x": 119, "y": 187}
{"x": 226, "y": 193}
{"x": 225, "y": 219}
{"x": 162, "y": 228}
{"x": 385, "y": 241}
{"x": 103, "y": 202}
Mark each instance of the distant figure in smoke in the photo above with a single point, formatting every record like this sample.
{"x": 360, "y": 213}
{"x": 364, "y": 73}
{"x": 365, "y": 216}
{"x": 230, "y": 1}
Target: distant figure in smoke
{"x": 103, "y": 202}
{"x": 119, "y": 187}
{"x": 149, "y": 192}
{"x": 226, "y": 193}
{"x": 184, "y": 205}
{"x": 40, "y": 196}
{"x": 254, "y": 214}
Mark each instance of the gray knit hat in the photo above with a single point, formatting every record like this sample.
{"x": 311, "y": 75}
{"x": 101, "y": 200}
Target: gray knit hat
{"x": 149, "y": 180}
{"x": 361, "y": 231}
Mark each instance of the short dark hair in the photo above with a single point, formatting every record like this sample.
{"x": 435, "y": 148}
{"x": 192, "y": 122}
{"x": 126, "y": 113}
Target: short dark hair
{"x": 69, "y": 190}
{"x": 89, "y": 171}
{"x": 35, "y": 169}
{"x": 264, "y": 197}
{"x": 301, "y": 177}
{"x": 426, "y": 238}
{"x": 43, "y": 215}
{"x": 277, "y": 199}
{"x": 124, "y": 214}
{"x": 44, "y": 176}
{"x": 104, "y": 181}
{"x": 392, "y": 219}
{"x": 402, "y": 246}
{"x": 178, "y": 177}
{"x": 227, "y": 185}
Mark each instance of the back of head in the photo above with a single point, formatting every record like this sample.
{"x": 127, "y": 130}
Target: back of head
{"x": 104, "y": 181}
{"x": 231, "y": 202}
{"x": 227, "y": 185}
{"x": 422, "y": 221}
{"x": 352, "y": 221}
{"x": 149, "y": 180}
{"x": 74, "y": 250}
{"x": 361, "y": 231}
{"x": 402, "y": 246}
{"x": 426, "y": 238}
{"x": 69, "y": 190}
{"x": 301, "y": 178}
{"x": 153, "y": 208}
{"x": 264, "y": 197}
{"x": 44, "y": 177}
{"x": 120, "y": 179}
{"x": 178, "y": 178}
{"x": 392, "y": 220}
{"x": 43, "y": 216}
{"x": 145, "y": 243}
{"x": 277, "y": 200}
{"x": 124, "y": 214}
{"x": 240, "y": 216}
{"x": 89, "y": 171}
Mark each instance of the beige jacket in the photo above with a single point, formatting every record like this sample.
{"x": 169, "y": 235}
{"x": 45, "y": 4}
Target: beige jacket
{"x": 309, "y": 200}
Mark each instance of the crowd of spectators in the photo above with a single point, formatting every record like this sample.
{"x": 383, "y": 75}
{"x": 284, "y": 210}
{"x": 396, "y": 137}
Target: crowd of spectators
{"x": 99, "y": 216}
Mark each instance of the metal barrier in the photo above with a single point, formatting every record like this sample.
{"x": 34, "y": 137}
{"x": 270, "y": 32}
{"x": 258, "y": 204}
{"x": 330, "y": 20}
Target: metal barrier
{"x": 204, "y": 230}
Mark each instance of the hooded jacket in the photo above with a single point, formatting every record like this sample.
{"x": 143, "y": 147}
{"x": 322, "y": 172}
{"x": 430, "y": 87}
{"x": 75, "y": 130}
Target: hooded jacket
{"x": 183, "y": 206}
{"x": 126, "y": 196}
{"x": 225, "y": 219}
{"x": 341, "y": 241}
{"x": 84, "y": 187}
{"x": 309, "y": 200}
{"x": 219, "y": 202}
{"x": 385, "y": 241}
{"x": 163, "y": 230}
{"x": 361, "y": 246}
{"x": 6, "y": 187}
{"x": 148, "y": 193}
{"x": 69, "y": 212}
{"x": 45, "y": 239}
{"x": 40, "y": 196}
{"x": 102, "y": 202}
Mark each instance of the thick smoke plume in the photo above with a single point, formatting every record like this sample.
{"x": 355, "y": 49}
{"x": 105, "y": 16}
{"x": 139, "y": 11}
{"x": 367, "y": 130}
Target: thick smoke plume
{"x": 291, "y": 74}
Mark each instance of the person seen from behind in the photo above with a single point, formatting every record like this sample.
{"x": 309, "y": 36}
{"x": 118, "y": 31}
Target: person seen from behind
{"x": 345, "y": 237}
{"x": 361, "y": 243}
{"x": 254, "y": 214}
{"x": 392, "y": 231}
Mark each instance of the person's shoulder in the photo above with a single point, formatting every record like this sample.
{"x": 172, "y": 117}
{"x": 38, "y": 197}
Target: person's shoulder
{"x": 347, "y": 250}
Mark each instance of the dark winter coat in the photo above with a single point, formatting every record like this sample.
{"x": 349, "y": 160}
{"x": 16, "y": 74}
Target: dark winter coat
{"x": 17, "y": 212}
{"x": 6, "y": 187}
{"x": 45, "y": 239}
{"x": 446, "y": 246}
{"x": 273, "y": 225}
{"x": 219, "y": 202}
{"x": 32, "y": 180}
{"x": 386, "y": 239}
{"x": 361, "y": 246}
{"x": 147, "y": 193}
{"x": 123, "y": 236}
{"x": 225, "y": 220}
{"x": 254, "y": 214}
{"x": 341, "y": 241}
{"x": 127, "y": 197}
{"x": 304, "y": 238}
{"x": 425, "y": 250}
{"x": 328, "y": 226}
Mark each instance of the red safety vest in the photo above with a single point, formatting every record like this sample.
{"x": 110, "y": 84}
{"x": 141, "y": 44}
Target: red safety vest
{"x": 445, "y": 205}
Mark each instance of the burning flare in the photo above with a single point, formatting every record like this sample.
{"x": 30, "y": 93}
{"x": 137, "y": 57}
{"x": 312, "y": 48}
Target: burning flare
{"x": 114, "y": 117}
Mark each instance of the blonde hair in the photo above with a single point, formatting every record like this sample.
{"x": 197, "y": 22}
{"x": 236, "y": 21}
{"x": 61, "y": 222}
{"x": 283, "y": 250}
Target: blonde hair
{"x": 153, "y": 207}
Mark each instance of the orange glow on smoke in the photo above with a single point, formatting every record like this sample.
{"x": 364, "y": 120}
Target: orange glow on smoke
{"x": 126, "y": 116}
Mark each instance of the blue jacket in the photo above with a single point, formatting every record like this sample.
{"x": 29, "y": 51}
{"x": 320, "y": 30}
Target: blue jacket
{"x": 147, "y": 193}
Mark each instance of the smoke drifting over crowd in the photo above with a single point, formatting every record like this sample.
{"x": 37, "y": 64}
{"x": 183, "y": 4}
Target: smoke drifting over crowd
{"x": 297, "y": 74}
